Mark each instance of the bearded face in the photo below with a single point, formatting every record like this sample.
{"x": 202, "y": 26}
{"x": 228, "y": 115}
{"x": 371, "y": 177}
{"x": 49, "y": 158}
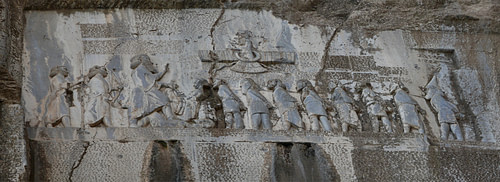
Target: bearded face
{"x": 145, "y": 61}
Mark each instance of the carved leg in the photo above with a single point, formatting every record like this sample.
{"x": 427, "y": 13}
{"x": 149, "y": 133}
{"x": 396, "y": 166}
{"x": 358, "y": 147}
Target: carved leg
{"x": 167, "y": 111}
{"x": 375, "y": 123}
{"x": 314, "y": 123}
{"x": 266, "y": 121}
{"x": 455, "y": 128}
{"x": 335, "y": 123}
{"x": 300, "y": 126}
{"x": 295, "y": 119}
{"x": 229, "y": 119}
{"x": 65, "y": 121}
{"x": 286, "y": 124}
{"x": 107, "y": 120}
{"x": 133, "y": 123}
{"x": 355, "y": 119}
{"x": 256, "y": 120}
{"x": 445, "y": 128}
{"x": 238, "y": 121}
{"x": 325, "y": 123}
{"x": 387, "y": 124}
{"x": 345, "y": 127}
{"x": 421, "y": 127}
{"x": 406, "y": 128}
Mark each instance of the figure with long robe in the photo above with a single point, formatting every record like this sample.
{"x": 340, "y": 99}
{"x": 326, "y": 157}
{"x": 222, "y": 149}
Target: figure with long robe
{"x": 146, "y": 99}
{"x": 314, "y": 106}
{"x": 447, "y": 111}
{"x": 344, "y": 105}
{"x": 258, "y": 106}
{"x": 376, "y": 110}
{"x": 207, "y": 103}
{"x": 233, "y": 107}
{"x": 287, "y": 105}
{"x": 97, "y": 105}
{"x": 408, "y": 110}
{"x": 57, "y": 110}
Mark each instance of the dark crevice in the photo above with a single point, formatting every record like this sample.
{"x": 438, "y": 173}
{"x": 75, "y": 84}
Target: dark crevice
{"x": 79, "y": 162}
{"x": 212, "y": 70}
{"x": 301, "y": 162}
{"x": 326, "y": 53}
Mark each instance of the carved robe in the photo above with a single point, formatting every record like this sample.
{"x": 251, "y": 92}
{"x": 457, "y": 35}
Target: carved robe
{"x": 146, "y": 97}
{"x": 230, "y": 102}
{"x": 97, "y": 106}
{"x": 287, "y": 106}
{"x": 257, "y": 103}
{"x": 407, "y": 108}
{"x": 446, "y": 110}
{"x": 344, "y": 105}
{"x": 374, "y": 107}
{"x": 57, "y": 107}
{"x": 313, "y": 103}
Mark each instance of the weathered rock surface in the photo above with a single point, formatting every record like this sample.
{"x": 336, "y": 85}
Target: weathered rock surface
{"x": 94, "y": 71}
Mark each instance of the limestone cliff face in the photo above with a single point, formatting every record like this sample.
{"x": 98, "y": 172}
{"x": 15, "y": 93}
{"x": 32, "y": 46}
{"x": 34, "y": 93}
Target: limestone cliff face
{"x": 451, "y": 46}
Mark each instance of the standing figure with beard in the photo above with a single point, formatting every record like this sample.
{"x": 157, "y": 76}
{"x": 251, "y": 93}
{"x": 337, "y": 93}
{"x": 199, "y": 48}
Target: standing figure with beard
{"x": 147, "y": 99}
{"x": 287, "y": 105}
{"x": 97, "y": 106}
{"x": 344, "y": 105}
{"x": 376, "y": 111}
{"x": 408, "y": 110}
{"x": 57, "y": 108}
{"x": 447, "y": 111}
{"x": 232, "y": 106}
{"x": 314, "y": 105}
{"x": 258, "y": 106}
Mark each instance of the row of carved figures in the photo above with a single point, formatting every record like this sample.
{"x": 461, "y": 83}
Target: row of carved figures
{"x": 160, "y": 104}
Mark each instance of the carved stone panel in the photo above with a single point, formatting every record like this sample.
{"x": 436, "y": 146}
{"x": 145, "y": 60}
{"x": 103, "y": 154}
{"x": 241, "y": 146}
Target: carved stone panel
{"x": 207, "y": 69}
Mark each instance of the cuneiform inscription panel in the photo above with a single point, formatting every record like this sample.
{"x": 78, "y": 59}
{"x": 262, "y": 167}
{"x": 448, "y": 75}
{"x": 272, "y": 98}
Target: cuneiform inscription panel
{"x": 132, "y": 46}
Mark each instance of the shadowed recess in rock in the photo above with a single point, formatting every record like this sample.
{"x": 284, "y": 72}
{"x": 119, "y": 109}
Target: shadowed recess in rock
{"x": 301, "y": 162}
{"x": 168, "y": 162}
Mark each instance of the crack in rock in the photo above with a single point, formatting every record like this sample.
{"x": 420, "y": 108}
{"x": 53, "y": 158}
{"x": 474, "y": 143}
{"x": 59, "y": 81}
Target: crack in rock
{"x": 326, "y": 52}
{"x": 77, "y": 164}
{"x": 212, "y": 70}
{"x": 327, "y": 48}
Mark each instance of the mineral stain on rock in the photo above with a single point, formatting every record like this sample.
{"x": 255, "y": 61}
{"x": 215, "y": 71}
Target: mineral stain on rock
{"x": 301, "y": 162}
{"x": 168, "y": 162}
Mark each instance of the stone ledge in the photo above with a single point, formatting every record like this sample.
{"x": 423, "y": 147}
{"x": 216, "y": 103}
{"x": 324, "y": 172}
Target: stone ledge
{"x": 363, "y": 140}
{"x": 390, "y": 142}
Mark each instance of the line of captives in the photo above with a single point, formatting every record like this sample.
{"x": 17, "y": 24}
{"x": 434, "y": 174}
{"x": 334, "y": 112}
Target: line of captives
{"x": 214, "y": 104}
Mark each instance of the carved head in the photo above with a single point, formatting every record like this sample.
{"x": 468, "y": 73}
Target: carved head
{"x": 242, "y": 39}
{"x": 332, "y": 85}
{"x": 145, "y": 60}
{"x": 243, "y": 35}
{"x": 59, "y": 70}
{"x": 201, "y": 83}
{"x": 433, "y": 83}
{"x": 97, "y": 70}
{"x": 301, "y": 84}
{"x": 172, "y": 85}
{"x": 271, "y": 84}
{"x": 368, "y": 85}
{"x": 219, "y": 82}
{"x": 247, "y": 84}
{"x": 433, "y": 91}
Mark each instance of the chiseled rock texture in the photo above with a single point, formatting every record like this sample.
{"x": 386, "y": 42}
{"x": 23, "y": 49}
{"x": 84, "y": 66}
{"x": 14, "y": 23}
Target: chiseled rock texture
{"x": 361, "y": 40}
